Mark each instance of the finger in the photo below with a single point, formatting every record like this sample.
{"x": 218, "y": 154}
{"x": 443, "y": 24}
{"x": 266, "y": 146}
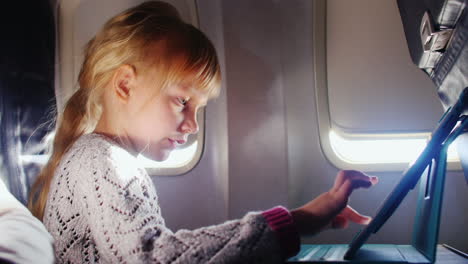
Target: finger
{"x": 339, "y": 180}
{"x": 345, "y": 175}
{"x": 352, "y": 215}
{"x": 345, "y": 190}
{"x": 348, "y": 187}
{"x": 339, "y": 222}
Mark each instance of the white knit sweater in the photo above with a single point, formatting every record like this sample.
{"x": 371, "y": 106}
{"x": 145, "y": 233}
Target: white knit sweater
{"x": 103, "y": 208}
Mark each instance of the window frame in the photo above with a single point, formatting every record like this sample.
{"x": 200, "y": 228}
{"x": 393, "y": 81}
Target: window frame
{"x": 323, "y": 110}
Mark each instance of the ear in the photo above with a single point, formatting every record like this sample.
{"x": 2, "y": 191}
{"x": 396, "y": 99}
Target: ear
{"x": 123, "y": 81}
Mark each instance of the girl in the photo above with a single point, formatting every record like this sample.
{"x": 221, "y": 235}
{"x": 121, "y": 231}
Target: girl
{"x": 144, "y": 77}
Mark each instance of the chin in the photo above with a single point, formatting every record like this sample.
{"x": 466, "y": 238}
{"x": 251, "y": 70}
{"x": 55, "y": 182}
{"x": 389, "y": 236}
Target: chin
{"x": 157, "y": 156}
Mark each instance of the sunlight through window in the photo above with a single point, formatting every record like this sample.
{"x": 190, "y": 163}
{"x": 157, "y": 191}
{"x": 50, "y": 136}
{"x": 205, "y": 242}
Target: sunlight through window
{"x": 178, "y": 158}
{"x": 372, "y": 151}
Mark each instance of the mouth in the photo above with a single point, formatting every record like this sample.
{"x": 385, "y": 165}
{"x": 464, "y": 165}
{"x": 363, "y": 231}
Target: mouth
{"x": 176, "y": 142}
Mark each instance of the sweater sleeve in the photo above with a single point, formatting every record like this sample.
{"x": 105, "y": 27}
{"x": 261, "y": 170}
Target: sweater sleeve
{"x": 127, "y": 226}
{"x": 280, "y": 220}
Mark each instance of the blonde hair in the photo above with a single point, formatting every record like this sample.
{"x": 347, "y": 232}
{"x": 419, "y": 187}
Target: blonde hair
{"x": 151, "y": 35}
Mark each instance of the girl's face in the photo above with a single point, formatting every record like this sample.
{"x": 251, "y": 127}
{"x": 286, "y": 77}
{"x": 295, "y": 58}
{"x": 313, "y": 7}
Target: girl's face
{"x": 158, "y": 126}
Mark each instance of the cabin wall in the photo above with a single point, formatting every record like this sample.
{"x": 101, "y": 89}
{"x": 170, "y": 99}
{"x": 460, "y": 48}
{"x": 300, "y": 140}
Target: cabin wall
{"x": 262, "y": 143}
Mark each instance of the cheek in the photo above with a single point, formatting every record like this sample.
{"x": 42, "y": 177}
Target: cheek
{"x": 165, "y": 120}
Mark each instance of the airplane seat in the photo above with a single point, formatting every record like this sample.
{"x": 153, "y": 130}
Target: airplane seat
{"x": 27, "y": 96}
{"x": 437, "y": 38}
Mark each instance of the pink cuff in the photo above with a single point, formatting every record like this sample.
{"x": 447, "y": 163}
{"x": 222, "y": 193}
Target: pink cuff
{"x": 280, "y": 220}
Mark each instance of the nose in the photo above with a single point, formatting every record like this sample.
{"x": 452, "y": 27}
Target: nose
{"x": 190, "y": 124}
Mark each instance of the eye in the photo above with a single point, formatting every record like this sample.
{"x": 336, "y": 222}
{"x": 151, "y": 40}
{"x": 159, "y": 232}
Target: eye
{"x": 182, "y": 101}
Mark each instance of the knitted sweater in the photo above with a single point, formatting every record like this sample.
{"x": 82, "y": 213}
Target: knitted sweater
{"x": 103, "y": 208}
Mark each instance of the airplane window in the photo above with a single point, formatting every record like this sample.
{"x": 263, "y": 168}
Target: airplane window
{"x": 78, "y": 22}
{"x": 376, "y": 109}
{"x": 397, "y": 149}
{"x": 179, "y": 158}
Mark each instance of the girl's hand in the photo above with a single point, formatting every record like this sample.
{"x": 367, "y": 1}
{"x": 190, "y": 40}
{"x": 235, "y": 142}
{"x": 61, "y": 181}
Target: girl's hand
{"x": 330, "y": 209}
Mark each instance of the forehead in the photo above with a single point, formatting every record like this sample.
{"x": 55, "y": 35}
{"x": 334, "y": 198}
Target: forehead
{"x": 182, "y": 86}
{"x": 189, "y": 90}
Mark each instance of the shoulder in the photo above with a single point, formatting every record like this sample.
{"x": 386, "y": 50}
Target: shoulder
{"x": 96, "y": 144}
{"x": 96, "y": 166}
{"x": 110, "y": 176}
{"x": 94, "y": 156}
{"x": 95, "y": 149}
{"x": 98, "y": 156}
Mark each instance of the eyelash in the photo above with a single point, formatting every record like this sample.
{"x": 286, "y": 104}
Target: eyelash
{"x": 182, "y": 101}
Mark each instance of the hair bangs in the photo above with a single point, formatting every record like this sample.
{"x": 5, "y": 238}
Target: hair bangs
{"x": 196, "y": 61}
{"x": 206, "y": 75}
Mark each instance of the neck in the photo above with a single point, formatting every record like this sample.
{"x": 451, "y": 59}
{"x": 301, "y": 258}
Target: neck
{"x": 115, "y": 134}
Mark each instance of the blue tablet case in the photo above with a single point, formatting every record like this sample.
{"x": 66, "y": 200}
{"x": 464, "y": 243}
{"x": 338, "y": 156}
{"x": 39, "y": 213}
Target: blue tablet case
{"x": 430, "y": 167}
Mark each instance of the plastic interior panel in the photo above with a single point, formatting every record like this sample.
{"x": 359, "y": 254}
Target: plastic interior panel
{"x": 322, "y": 99}
{"x": 369, "y": 72}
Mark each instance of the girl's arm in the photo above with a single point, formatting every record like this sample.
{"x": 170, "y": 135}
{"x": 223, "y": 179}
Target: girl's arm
{"x": 126, "y": 224}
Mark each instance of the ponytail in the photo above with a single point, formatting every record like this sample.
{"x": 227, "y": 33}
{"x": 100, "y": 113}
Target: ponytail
{"x": 73, "y": 124}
